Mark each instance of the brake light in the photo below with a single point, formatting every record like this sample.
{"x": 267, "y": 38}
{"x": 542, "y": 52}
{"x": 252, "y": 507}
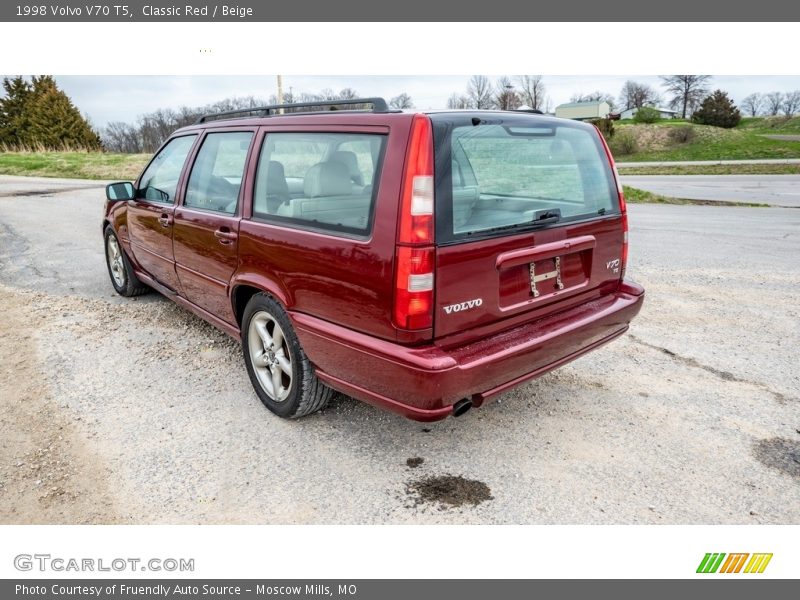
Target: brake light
{"x": 413, "y": 294}
{"x": 622, "y": 206}
{"x": 413, "y": 301}
{"x": 416, "y": 210}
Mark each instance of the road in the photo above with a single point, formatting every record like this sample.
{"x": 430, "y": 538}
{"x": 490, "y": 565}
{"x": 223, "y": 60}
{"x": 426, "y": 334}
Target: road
{"x": 775, "y": 190}
{"x": 134, "y": 411}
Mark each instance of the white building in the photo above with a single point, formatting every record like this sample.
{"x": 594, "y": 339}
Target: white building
{"x": 583, "y": 110}
{"x": 664, "y": 113}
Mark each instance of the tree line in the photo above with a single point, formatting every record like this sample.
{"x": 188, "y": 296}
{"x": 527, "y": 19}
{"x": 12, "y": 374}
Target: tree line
{"x": 150, "y": 130}
{"x": 682, "y": 93}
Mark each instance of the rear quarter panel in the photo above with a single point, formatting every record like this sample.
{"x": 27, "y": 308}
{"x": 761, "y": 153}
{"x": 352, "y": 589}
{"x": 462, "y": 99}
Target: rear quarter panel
{"x": 345, "y": 280}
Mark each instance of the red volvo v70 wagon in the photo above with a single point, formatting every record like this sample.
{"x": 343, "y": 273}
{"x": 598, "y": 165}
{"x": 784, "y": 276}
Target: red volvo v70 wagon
{"x": 422, "y": 262}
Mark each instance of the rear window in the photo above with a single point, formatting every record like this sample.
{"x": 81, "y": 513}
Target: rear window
{"x": 325, "y": 181}
{"x": 499, "y": 175}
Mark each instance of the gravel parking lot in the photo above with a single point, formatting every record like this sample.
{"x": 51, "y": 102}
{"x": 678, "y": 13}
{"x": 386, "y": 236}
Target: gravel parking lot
{"x": 134, "y": 411}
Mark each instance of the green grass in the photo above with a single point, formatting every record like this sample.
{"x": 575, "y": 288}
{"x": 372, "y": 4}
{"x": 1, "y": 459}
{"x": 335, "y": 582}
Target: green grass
{"x": 653, "y": 143}
{"x": 792, "y": 169}
{"x": 80, "y": 165}
{"x": 636, "y": 196}
{"x": 768, "y": 125}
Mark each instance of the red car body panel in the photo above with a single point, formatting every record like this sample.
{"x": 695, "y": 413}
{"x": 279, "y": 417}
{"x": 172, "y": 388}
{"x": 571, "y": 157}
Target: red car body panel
{"x": 338, "y": 290}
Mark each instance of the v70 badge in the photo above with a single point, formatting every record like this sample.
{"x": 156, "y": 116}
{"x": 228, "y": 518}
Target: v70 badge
{"x": 556, "y": 274}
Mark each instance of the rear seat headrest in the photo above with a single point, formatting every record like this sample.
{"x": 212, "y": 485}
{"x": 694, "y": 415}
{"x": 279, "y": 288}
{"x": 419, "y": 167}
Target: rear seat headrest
{"x": 350, "y": 160}
{"x": 276, "y": 179}
{"x": 330, "y": 178}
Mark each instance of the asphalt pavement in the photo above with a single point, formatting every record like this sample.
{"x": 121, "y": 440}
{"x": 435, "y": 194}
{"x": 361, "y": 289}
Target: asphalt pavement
{"x": 775, "y": 190}
{"x": 122, "y": 410}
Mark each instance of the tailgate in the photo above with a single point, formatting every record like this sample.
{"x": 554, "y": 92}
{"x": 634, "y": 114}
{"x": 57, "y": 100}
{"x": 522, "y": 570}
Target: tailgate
{"x": 535, "y": 274}
{"x": 528, "y": 219}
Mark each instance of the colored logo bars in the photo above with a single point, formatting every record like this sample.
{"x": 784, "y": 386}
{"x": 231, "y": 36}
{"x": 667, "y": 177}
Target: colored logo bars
{"x": 734, "y": 562}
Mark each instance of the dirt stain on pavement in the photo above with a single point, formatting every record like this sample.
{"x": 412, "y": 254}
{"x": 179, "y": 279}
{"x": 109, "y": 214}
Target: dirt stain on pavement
{"x": 414, "y": 462}
{"x": 47, "y": 473}
{"x": 448, "y": 491}
{"x": 779, "y": 453}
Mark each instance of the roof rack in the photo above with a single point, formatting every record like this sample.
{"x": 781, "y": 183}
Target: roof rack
{"x": 378, "y": 106}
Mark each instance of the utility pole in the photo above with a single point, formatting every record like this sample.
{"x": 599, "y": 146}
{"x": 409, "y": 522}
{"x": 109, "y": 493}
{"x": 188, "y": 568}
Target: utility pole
{"x": 280, "y": 92}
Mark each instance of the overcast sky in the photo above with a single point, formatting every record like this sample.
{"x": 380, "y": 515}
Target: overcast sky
{"x": 124, "y": 98}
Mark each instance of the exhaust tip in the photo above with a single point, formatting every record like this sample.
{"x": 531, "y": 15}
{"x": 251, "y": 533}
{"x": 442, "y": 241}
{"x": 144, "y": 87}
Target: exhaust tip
{"x": 462, "y": 406}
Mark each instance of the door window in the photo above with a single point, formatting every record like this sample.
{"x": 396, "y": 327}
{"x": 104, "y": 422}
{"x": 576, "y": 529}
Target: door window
{"x": 160, "y": 180}
{"x": 217, "y": 172}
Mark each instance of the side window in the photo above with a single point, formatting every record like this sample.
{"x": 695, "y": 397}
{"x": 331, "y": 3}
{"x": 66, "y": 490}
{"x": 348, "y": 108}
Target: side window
{"x": 217, "y": 172}
{"x": 160, "y": 180}
{"x": 320, "y": 180}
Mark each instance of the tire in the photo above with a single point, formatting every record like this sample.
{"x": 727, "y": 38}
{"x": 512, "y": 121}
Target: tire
{"x": 276, "y": 361}
{"x": 120, "y": 271}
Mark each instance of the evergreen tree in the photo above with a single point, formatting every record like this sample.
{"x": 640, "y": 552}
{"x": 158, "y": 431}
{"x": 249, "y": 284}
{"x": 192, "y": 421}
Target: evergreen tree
{"x": 14, "y": 117}
{"x": 39, "y": 114}
{"x": 718, "y": 110}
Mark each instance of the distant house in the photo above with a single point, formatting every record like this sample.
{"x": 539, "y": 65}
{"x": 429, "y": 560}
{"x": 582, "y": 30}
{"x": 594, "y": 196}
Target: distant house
{"x": 664, "y": 113}
{"x": 582, "y": 111}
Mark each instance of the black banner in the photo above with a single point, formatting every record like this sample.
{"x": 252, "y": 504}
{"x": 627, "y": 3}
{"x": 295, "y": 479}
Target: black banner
{"x": 407, "y": 10}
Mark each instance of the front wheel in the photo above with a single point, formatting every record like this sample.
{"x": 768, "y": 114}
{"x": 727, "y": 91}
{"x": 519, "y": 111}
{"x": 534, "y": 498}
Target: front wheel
{"x": 279, "y": 370}
{"x": 122, "y": 276}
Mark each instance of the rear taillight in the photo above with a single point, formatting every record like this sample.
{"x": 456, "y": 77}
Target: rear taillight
{"x": 416, "y": 212}
{"x": 413, "y": 300}
{"x": 622, "y": 206}
{"x": 414, "y": 268}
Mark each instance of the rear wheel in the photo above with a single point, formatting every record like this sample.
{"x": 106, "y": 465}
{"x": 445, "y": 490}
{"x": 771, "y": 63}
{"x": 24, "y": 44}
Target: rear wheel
{"x": 122, "y": 276}
{"x": 279, "y": 370}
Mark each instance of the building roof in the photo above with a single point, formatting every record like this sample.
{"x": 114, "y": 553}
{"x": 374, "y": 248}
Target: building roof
{"x": 577, "y": 104}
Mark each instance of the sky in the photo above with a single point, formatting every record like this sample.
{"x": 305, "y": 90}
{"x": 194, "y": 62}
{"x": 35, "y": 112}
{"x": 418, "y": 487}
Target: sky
{"x": 123, "y": 98}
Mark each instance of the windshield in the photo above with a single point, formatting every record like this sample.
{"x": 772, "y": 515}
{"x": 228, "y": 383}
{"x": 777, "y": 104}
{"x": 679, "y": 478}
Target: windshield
{"x": 496, "y": 174}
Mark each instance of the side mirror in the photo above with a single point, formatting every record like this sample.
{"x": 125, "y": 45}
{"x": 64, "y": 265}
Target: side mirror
{"x": 122, "y": 190}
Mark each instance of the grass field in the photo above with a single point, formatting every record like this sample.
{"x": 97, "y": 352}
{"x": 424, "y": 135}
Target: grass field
{"x": 79, "y": 165}
{"x": 636, "y": 143}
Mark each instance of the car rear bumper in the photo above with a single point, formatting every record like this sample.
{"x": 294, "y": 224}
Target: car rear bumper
{"x": 424, "y": 382}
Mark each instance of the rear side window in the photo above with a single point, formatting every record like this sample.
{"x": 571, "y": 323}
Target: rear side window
{"x": 323, "y": 181}
{"x": 496, "y": 176}
{"x": 160, "y": 180}
{"x": 217, "y": 172}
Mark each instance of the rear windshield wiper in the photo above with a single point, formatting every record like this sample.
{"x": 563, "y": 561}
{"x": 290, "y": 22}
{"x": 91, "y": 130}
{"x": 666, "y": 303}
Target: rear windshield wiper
{"x": 549, "y": 215}
{"x": 540, "y": 219}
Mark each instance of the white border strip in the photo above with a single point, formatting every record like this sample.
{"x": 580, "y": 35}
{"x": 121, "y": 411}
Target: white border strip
{"x": 398, "y": 48}
{"x": 273, "y": 552}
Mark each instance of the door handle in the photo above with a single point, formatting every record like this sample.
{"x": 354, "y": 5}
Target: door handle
{"x": 165, "y": 220}
{"x": 225, "y": 235}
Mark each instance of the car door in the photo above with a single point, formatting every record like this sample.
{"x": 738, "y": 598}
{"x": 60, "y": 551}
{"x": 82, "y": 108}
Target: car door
{"x": 150, "y": 213}
{"x": 206, "y": 224}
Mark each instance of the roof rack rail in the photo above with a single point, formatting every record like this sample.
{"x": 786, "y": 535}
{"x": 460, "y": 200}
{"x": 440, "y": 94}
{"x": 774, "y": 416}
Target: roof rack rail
{"x": 378, "y": 106}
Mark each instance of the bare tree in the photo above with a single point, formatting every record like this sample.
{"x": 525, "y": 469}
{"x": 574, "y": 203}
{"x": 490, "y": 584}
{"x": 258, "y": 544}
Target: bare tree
{"x": 687, "y": 91}
{"x": 401, "y": 101}
{"x": 458, "y": 101}
{"x": 121, "y": 137}
{"x": 595, "y": 96}
{"x": 479, "y": 92}
{"x": 774, "y": 102}
{"x": 637, "y": 95}
{"x": 532, "y": 91}
{"x": 348, "y": 94}
{"x": 506, "y": 97}
{"x": 791, "y": 103}
{"x": 752, "y": 104}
